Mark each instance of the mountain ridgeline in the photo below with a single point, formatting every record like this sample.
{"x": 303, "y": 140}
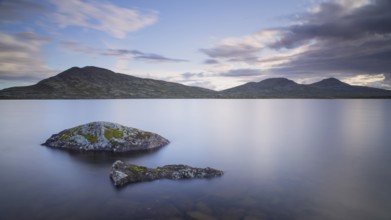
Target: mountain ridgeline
{"x": 98, "y": 83}
{"x": 285, "y": 88}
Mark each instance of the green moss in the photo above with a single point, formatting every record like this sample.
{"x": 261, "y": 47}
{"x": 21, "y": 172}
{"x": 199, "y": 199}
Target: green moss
{"x": 90, "y": 138}
{"x": 118, "y": 133}
{"x": 160, "y": 169}
{"x": 138, "y": 169}
{"x": 110, "y": 133}
{"x": 65, "y": 136}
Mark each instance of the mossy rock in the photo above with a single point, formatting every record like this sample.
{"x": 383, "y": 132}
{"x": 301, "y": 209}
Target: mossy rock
{"x": 106, "y": 136}
{"x": 122, "y": 173}
{"x": 112, "y": 133}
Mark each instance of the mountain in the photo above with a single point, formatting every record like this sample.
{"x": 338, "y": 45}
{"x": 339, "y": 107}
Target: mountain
{"x": 95, "y": 83}
{"x": 333, "y": 88}
{"x": 330, "y": 83}
{"x": 285, "y": 88}
{"x": 272, "y": 84}
{"x": 268, "y": 88}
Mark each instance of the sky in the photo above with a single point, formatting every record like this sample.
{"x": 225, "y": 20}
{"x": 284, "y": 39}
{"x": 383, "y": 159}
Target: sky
{"x": 215, "y": 44}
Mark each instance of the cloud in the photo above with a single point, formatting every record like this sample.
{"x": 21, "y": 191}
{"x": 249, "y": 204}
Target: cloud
{"x": 189, "y": 75}
{"x": 231, "y": 51}
{"x": 21, "y": 58}
{"x": 377, "y": 80}
{"x": 248, "y": 60}
{"x": 371, "y": 56}
{"x": 241, "y": 49}
{"x": 156, "y": 58}
{"x": 334, "y": 21}
{"x": 341, "y": 40}
{"x": 333, "y": 38}
{"x": 199, "y": 79}
{"x": 241, "y": 72}
{"x": 106, "y": 17}
{"x": 17, "y": 10}
{"x": 123, "y": 54}
{"x": 211, "y": 61}
{"x": 138, "y": 55}
{"x": 79, "y": 47}
{"x": 30, "y": 36}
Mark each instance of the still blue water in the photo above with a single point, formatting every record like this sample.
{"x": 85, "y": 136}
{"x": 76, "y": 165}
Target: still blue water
{"x": 283, "y": 159}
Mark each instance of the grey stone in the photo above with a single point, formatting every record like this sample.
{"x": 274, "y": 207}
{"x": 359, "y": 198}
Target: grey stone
{"x": 122, "y": 173}
{"x": 105, "y": 136}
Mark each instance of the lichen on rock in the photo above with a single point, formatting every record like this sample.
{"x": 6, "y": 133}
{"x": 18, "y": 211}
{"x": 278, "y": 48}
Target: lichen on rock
{"x": 123, "y": 173}
{"x": 105, "y": 136}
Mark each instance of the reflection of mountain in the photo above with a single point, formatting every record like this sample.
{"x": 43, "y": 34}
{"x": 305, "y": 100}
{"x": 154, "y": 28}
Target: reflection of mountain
{"x": 96, "y": 83}
{"x": 285, "y": 88}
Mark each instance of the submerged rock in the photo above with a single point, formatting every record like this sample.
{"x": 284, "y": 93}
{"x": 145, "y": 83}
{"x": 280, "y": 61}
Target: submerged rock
{"x": 122, "y": 173}
{"x": 106, "y": 136}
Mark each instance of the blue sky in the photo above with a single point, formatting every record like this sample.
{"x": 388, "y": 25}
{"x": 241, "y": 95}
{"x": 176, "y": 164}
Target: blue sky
{"x": 214, "y": 44}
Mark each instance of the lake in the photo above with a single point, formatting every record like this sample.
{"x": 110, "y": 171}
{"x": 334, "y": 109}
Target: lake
{"x": 283, "y": 159}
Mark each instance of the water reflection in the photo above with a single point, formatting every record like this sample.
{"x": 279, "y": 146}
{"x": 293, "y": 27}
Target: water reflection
{"x": 99, "y": 158}
{"x": 283, "y": 159}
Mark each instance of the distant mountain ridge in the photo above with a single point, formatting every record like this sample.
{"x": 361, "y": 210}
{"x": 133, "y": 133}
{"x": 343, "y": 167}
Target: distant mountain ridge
{"x": 97, "y": 83}
{"x": 265, "y": 86}
{"x": 285, "y": 88}
{"x": 329, "y": 83}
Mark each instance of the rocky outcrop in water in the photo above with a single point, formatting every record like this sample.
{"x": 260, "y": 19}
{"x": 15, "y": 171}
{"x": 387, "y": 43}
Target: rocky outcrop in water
{"x": 106, "y": 136}
{"x": 122, "y": 173}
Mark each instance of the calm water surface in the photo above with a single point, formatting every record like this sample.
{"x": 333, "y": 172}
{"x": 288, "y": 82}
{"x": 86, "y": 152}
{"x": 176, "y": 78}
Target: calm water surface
{"x": 283, "y": 159}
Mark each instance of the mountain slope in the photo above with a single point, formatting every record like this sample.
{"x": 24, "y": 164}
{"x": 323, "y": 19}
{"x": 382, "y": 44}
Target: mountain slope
{"x": 334, "y": 88}
{"x": 268, "y": 88}
{"x": 284, "y": 88}
{"x": 98, "y": 83}
{"x": 272, "y": 84}
{"x": 93, "y": 82}
{"x": 330, "y": 83}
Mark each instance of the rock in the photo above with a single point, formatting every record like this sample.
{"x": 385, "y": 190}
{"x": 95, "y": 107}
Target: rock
{"x": 105, "y": 136}
{"x": 122, "y": 173}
